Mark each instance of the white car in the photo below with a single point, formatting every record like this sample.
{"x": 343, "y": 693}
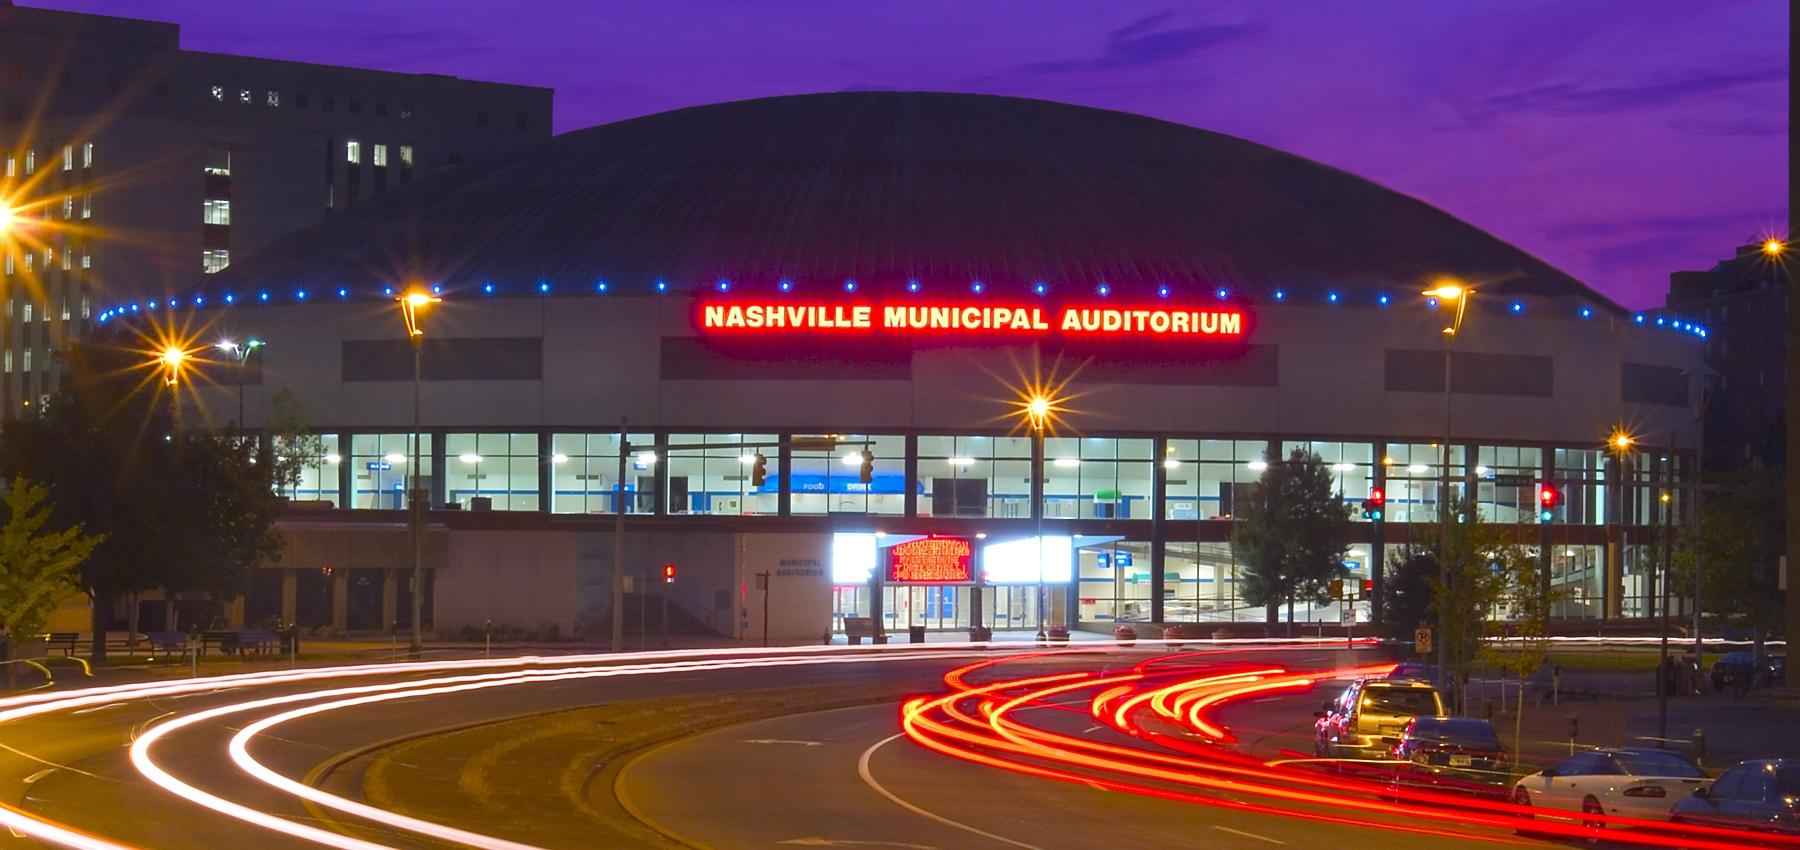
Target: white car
{"x": 1630, "y": 781}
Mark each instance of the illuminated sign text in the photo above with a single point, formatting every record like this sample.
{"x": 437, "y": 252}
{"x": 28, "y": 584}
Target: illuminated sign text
{"x": 911, "y": 318}
{"x": 931, "y": 559}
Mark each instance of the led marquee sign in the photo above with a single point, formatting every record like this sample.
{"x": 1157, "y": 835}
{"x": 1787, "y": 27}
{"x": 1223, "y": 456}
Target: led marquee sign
{"x": 907, "y": 318}
{"x": 931, "y": 559}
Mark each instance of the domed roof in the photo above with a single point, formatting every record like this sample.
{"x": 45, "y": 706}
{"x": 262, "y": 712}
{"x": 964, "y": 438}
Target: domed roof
{"x": 886, "y": 187}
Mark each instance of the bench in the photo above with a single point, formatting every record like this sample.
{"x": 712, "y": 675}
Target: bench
{"x": 167, "y": 643}
{"x": 64, "y": 641}
{"x": 258, "y": 641}
{"x": 226, "y": 642}
{"x": 857, "y": 628}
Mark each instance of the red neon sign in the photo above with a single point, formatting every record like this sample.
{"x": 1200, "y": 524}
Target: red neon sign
{"x": 859, "y": 318}
{"x": 935, "y": 559}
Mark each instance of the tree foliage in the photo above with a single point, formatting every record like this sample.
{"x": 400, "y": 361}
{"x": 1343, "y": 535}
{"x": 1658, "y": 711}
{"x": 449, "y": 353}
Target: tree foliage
{"x": 1291, "y": 533}
{"x": 1736, "y": 546}
{"x": 182, "y": 509}
{"x": 1408, "y": 600}
{"x": 38, "y": 567}
{"x": 1481, "y": 562}
{"x": 296, "y": 448}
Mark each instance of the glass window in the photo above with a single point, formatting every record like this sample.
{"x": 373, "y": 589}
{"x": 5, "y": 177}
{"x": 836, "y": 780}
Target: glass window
{"x": 1204, "y": 476}
{"x": 1506, "y": 482}
{"x": 214, "y": 260}
{"x": 406, "y": 156}
{"x": 318, "y": 473}
{"x": 1352, "y": 468}
{"x": 827, "y": 474}
{"x": 87, "y": 155}
{"x": 215, "y": 211}
{"x": 1581, "y": 473}
{"x": 1097, "y": 478}
{"x": 501, "y": 468}
{"x": 1114, "y": 576}
{"x": 715, "y": 474}
{"x": 68, "y": 157}
{"x": 379, "y": 154}
{"x": 584, "y": 473}
{"x": 217, "y": 162}
{"x": 1414, "y": 479}
{"x": 272, "y": 97}
{"x": 379, "y": 464}
{"x": 975, "y": 476}
{"x": 218, "y": 93}
{"x": 353, "y": 152}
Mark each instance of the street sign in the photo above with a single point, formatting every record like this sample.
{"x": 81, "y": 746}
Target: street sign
{"x": 379, "y": 466}
{"x": 1422, "y": 641}
{"x": 1121, "y": 559}
{"x": 1514, "y": 480}
{"x": 1346, "y": 614}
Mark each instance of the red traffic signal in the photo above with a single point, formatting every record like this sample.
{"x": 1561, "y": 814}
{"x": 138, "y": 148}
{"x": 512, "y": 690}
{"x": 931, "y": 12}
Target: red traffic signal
{"x": 1368, "y": 587}
{"x": 1548, "y": 496}
{"x": 1376, "y": 496}
{"x": 669, "y": 573}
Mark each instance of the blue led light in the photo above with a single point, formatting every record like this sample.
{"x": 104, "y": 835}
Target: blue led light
{"x": 230, "y": 298}
{"x": 849, "y": 286}
{"x": 300, "y": 295}
{"x": 1221, "y": 292}
{"x": 1039, "y": 288}
{"x": 1105, "y": 290}
{"x": 437, "y": 289}
{"x": 724, "y": 285}
{"x": 662, "y": 286}
{"x": 262, "y": 296}
{"x": 198, "y": 300}
{"x": 1518, "y": 307}
{"x": 976, "y": 287}
{"x": 1383, "y": 299}
{"x": 1659, "y": 321}
{"x": 544, "y": 286}
{"x": 1162, "y": 292}
{"x": 1639, "y": 318}
{"x": 912, "y": 286}
{"x": 1431, "y": 303}
{"x": 388, "y": 291}
{"x": 487, "y": 288}
{"x": 601, "y": 286}
{"x": 134, "y": 308}
{"x": 1702, "y": 333}
{"x": 1280, "y": 295}
{"x": 1587, "y": 312}
{"x": 153, "y": 305}
{"x": 1332, "y": 296}
{"x": 785, "y": 285}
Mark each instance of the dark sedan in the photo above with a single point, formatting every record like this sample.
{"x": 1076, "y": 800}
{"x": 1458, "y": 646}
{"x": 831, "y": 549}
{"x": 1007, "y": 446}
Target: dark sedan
{"x": 1761, "y": 795}
{"x": 1745, "y": 670}
{"x": 1457, "y": 755}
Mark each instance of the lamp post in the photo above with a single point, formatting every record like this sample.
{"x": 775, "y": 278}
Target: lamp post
{"x": 410, "y": 305}
{"x": 1037, "y": 414}
{"x": 170, "y": 361}
{"x": 241, "y": 354}
{"x": 1447, "y": 292}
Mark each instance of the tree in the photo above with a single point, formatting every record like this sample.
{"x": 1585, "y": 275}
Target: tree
{"x": 1409, "y": 581}
{"x": 1477, "y": 562}
{"x": 1736, "y": 546}
{"x": 296, "y": 448}
{"x": 1291, "y": 534}
{"x": 1528, "y": 609}
{"x": 37, "y": 567}
{"x": 180, "y": 509}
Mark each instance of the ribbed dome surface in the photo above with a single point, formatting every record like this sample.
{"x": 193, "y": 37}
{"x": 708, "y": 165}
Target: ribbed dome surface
{"x": 884, "y": 187}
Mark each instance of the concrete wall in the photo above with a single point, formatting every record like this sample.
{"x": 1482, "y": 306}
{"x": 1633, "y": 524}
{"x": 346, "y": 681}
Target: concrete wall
{"x": 517, "y": 578}
{"x": 798, "y": 588}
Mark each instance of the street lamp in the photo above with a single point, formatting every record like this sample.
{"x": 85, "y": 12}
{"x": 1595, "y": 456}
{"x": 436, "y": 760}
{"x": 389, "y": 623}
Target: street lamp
{"x": 411, "y": 302}
{"x": 240, "y": 353}
{"x": 1773, "y": 247}
{"x": 171, "y": 359}
{"x": 1448, "y": 292}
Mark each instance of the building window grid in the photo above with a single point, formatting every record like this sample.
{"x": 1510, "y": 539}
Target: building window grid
{"x": 711, "y": 474}
{"x": 318, "y": 475}
{"x": 974, "y": 475}
{"x": 829, "y": 481}
{"x": 1097, "y": 477}
{"x": 1414, "y": 477}
{"x": 584, "y": 471}
{"x": 502, "y": 468}
{"x": 379, "y": 464}
{"x": 1352, "y": 468}
{"x": 1203, "y": 475}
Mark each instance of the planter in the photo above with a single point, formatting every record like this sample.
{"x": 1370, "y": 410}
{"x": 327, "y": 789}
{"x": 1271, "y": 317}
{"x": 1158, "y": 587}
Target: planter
{"x": 1059, "y": 634}
{"x": 1125, "y": 635}
{"x": 980, "y": 634}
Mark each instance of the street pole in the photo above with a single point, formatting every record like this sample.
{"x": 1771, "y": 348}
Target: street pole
{"x": 416, "y": 515}
{"x": 618, "y": 558}
{"x": 768, "y": 583}
{"x": 1444, "y": 492}
{"x": 1668, "y": 542}
{"x": 1037, "y": 432}
{"x": 665, "y": 612}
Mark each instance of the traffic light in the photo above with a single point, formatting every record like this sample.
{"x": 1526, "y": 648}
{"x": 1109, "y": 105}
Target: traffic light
{"x": 1374, "y": 507}
{"x": 1368, "y": 588}
{"x": 868, "y": 467}
{"x": 668, "y": 573}
{"x": 1548, "y": 499}
{"x": 759, "y": 470}
{"x": 1337, "y": 588}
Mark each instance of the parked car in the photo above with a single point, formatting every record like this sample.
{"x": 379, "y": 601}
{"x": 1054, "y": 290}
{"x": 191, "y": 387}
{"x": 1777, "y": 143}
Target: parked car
{"x": 1744, "y": 670}
{"x": 1762, "y": 795}
{"x": 1366, "y": 720}
{"x": 1629, "y": 781}
{"x": 1459, "y": 755}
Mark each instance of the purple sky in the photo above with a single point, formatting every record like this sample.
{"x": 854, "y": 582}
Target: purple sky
{"x": 1617, "y": 139}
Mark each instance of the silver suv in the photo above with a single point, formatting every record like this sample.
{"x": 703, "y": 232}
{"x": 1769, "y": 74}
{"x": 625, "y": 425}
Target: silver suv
{"x": 1367, "y": 719}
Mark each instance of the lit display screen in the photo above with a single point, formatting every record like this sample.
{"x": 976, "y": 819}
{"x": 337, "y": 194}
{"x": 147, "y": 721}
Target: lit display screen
{"x": 1029, "y": 560}
{"x": 852, "y": 558}
{"x": 931, "y": 559}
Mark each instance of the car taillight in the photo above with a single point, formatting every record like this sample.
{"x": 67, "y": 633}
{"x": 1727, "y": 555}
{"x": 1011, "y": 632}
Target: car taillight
{"x": 1646, "y": 791}
{"x": 1500, "y": 757}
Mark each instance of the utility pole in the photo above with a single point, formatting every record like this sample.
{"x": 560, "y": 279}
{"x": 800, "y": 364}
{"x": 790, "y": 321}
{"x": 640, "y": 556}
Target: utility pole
{"x": 618, "y": 558}
{"x": 768, "y": 586}
{"x": 1668, "y": 543}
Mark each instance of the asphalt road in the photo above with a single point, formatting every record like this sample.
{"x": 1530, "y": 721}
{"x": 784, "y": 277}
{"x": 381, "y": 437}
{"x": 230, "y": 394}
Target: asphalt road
{"x": 832, "y": 778}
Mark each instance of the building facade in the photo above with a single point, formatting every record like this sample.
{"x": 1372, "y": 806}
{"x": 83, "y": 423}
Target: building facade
{"x": 789, "y": 339}
{"x": 133, "y": 167}
{"x": 1743, "y": 302}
